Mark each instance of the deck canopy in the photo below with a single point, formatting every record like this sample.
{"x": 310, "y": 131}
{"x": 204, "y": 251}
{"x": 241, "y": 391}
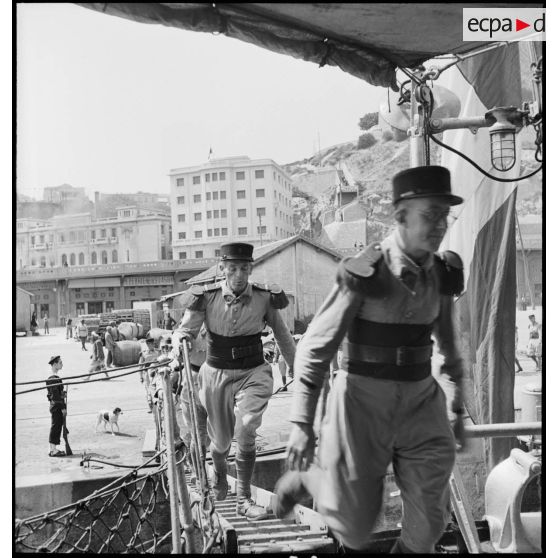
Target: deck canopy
{"x": 366, "y": 40}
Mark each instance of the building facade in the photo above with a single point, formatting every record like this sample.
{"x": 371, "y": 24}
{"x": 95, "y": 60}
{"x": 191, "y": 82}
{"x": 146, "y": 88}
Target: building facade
{"x": 229, "y": 200}
{"x": 134, "y": 235}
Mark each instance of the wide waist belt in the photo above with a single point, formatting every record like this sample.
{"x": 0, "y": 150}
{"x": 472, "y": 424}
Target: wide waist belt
{"x": 400, "y": 356}
{"x": 233, "y": 353}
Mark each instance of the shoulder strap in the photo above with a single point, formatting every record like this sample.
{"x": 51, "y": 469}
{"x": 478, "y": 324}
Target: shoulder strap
{"x": 355, "y": 272}
{"x": 278, "y": 297}
{"x": 450, "y": 272}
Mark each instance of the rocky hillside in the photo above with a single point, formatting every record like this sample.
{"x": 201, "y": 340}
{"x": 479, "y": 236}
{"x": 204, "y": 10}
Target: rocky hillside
{"x": 372, "y": 169}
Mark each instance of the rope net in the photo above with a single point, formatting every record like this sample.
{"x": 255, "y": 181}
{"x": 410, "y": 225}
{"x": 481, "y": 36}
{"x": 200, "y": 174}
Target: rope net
{"x": 132, "y": 517}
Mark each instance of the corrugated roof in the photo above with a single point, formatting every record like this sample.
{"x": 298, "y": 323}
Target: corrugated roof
{"x": 261, "y": 253}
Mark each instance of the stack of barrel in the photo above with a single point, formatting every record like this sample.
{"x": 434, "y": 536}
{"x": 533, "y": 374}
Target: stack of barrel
{"x": 127, "y": 349}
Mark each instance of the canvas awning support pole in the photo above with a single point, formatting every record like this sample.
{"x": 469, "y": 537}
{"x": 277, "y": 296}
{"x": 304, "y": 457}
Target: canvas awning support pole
{"x": 524, "y": 258}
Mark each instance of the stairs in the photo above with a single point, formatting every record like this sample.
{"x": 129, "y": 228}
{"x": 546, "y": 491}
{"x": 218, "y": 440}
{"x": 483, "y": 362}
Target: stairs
{"x": 305, "y": 531}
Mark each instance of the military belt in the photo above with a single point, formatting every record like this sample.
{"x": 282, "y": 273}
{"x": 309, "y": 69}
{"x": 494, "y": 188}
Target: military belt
{"x": 233, "y": 353}
{"x": 400, "y": 356}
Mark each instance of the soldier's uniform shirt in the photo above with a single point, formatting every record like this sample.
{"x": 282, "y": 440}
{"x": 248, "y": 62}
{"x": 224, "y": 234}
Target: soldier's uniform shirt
{"x": 55, "y": 396}
{"x": 374, "y": 420}
{"x": 224, "y": 390}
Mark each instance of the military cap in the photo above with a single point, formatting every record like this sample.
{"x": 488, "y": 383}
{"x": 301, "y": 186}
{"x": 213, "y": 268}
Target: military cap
{"x": 237, "y": 251}
{"x": 53, "y": 359}
{"x": 424, "y": 182}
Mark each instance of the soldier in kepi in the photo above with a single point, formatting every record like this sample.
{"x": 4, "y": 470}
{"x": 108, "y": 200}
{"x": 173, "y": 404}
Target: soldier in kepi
{"x": 385, "y": 405}
{"x": 235, "y": 376}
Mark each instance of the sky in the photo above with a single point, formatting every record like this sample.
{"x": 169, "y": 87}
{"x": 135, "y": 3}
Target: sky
{"x": 112, "y": 105}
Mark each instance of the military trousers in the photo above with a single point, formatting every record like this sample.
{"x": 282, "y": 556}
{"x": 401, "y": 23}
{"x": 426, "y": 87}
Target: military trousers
{"x": 236, "y": 397}
{"x": 370, "y": 423}
{"x": 201, "y": 414}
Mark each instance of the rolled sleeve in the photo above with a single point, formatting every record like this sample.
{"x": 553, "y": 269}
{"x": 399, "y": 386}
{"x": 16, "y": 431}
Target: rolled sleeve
{"x": 191, "y": 324}
{"x": 317, "y": 348}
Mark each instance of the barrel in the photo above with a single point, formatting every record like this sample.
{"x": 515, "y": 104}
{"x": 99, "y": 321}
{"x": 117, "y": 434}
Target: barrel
{"x": 130, "y": 330}
{"x": 157, "y": 333}
{"x": 126, "y": 352}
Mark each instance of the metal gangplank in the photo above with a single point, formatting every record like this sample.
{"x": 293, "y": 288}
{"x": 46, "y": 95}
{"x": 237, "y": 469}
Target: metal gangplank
{"x": 305, "y": 532}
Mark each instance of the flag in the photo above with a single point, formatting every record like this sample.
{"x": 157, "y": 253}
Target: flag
{"x": 484, "y": 237}
{"x": 210, "y": 153}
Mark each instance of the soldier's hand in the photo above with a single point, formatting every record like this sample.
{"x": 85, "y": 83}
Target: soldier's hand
{"x": 301, "y": 446}
{"x": 459, "y": 432}
{"x": 64, "y": 412}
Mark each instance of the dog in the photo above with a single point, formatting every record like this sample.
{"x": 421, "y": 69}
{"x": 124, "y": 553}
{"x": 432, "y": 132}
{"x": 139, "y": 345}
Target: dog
{"x": 106, "y": 417}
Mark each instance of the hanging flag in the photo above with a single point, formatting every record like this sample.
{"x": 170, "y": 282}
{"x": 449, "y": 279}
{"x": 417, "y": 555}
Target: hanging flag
{"x": 210, "y": 153}
{"x": 484, "y": 237}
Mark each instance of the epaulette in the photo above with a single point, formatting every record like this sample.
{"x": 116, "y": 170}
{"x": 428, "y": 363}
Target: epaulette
{"x": 279, "y": 299}
{"x": 353, "y": 272}
{"x": 194, "y": 299}
{"x": 450, "y": 266}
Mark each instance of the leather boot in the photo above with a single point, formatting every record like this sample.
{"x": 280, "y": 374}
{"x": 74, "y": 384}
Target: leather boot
{"x": 220, "y": 484}
{"x": 290, "y": 490}
{"x": 245, "y": 506}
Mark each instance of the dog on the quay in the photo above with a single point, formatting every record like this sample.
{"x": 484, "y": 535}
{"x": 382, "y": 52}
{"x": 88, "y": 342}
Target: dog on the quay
{"x": 109, "y": 418}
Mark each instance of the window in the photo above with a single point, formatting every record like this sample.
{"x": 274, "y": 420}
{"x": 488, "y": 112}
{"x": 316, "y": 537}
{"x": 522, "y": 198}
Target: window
{"x": 260, "y": 211}
{"x": 223, "y": 194}
{"x": 114, "y": 257}
{"x": 132, "y": 293}
{"x": 196, "y": 179}
{"x": 240, "y": 175}
{"x": 275, "y": 212}
{"x": 215, "y": 213}
{"x": 72, "y": 259}
{"x": 276, "y": 231}
{"x": 241, "y": 212}
{"x": 215, "y": 195}
{"x": 197, "y": 216}
{"x": 180, "y": 181}
{"x": 216, "y": 232}
{"x": 62, "y": 240}
{"x": 199, "y": 253}
{"x": 181, "y": 218}
{"x": 93, "y": 258}
{"x": 181, "y": 236}
{"x": 242, "y": 230}
{"x": 209, "y": 214}
{"x": 198, "y": 234}
{"x": 126, "y": 213}
{"x": 274, "y": 175}
{"x": 113, "y": 232}
{"x": 197, "y": 198}
{"x": 259, "y": 174}
{"x": 241, "y": 194}
{"x": 214, "y": 176}
{"x": 80, "y": 308}
{"x": 224, "y": 231}
{"x": 262, "y": 229}
{"x": 181, "y": 255}
{"x": 43, "y": 264}
{"x": 217, "y": 253}
{"x": 104, "y": 257}
{"x": 223, "y": 213}
{"x": 208, "y": 177}
{"x": 209, "y": 232}
{"x": 180, "y": 200}
{"x": 162, "y": 228}
{"x": 260, "y": 193}
{"x": 103, "y": 233}
{"x": 127, "y": 255}
{"x": 81, "y": 258}
{"x": 72, "y": 237}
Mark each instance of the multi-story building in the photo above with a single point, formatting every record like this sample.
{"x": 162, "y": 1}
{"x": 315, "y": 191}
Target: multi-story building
{"x": 134, "y": 235}
{"x": 231, "y": 199}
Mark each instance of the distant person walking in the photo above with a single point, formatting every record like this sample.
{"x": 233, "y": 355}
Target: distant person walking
{"x": 519, "y": 368}
{"x": 111, "y": 337}
{"x": 69, "y": 328}
{"x": 534, "y": 347}
{"x": 45, "y": 321}
{"x": 34, "y": 324}
{"x": 170, "y": 322}
{"x": 97, "y": 356}
{"x": 55, "y": 396}
{"x": 82, "y": 334}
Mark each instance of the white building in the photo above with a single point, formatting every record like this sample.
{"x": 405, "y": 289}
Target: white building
{"x": 134, "y": 235}
{"x": 229, "y": 200}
